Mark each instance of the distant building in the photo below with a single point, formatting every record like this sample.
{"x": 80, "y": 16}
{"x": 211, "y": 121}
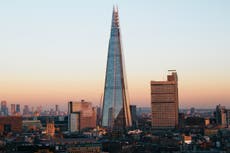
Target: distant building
{"x": 81, "y": 115}
{"x": 85, "y": 148}
{"x": 164, "y": 102}
{"x": 15, "y": 109}
{"x": 133, "y": 110}
{"x": 224, "y": 137}
{"x": 50, "y": 128}
{"x": 10, "y": 124}
{"x": 60, "y": 122}
{"x": 26, "y": 110}
{"x": 18, "y": 110}
{"x": 207, "y": 121}
{"x": 99, "y": 115}
{"x": 228, "y": 117}
{"x": 220, "y": 115}
{"x": 31, "y": 125}
{"x": 57, "y": 110}
{"x": 4, "y": 109}
{"x": 12, "y": 109}
{"x": 39, "y": 109}
{"x": 192, "y": 111}
{"x": 181, "y": 120}
{"x": 194, "y": 125}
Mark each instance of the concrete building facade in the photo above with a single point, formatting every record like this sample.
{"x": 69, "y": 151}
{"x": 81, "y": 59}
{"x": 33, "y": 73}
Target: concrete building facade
{"x": 164, "y": 102}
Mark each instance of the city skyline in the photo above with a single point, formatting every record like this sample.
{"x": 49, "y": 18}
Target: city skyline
{"x": 46, "y": 58}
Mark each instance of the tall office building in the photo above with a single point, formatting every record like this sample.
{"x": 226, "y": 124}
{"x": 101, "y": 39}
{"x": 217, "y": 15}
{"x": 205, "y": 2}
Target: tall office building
{"x": 221, "y": 115}
{"x": 12, "y": 109}
{"x": 164, "y": 101}
{"x": 116, "y": 111}
{"x": 18, "y": 109}
{"x": 15, "y": 109}
{"x": 57, "y": 110}
{"x": 81, "y": 115}
{"x": 4, "y": 109}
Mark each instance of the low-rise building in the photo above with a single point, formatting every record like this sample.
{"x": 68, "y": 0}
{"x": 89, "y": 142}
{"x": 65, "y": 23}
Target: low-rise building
{"x": 10, "y": 124}
{"x": 31, "y": 125}
{"x": 85, "y": 148}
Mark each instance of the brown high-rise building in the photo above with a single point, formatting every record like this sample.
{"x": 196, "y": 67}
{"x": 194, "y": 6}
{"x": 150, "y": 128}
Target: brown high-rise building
{"x": 13, "y": 109}
{"x": 164, "y": 102}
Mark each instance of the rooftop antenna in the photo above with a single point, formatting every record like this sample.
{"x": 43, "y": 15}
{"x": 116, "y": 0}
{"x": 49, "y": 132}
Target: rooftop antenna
{"x": 171, "y": 70}
{"x": 115, "y": 8}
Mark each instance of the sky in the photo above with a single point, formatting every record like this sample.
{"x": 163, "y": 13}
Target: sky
{"x": 55, "y": 51}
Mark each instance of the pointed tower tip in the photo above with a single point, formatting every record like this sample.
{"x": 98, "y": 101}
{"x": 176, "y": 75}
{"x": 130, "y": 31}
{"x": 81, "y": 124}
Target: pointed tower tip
{"x": 115, "y": 8}
{"x": 115, "y": 18}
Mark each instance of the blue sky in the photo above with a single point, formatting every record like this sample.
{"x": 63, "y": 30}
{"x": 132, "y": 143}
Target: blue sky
{"x": 54, "y": 51}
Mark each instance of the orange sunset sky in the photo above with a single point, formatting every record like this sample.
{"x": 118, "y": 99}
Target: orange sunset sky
{"x": 52, "y": 52}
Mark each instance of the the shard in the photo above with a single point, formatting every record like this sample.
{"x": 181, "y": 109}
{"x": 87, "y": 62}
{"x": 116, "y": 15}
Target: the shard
{"x": 116, "y": 109}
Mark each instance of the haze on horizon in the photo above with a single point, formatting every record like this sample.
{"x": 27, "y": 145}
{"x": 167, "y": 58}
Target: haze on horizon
{"x": 52, "y": 52}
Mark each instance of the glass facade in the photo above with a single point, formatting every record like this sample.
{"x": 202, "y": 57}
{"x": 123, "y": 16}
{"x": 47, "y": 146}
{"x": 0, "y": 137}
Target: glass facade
{"x": 116, "y": 111}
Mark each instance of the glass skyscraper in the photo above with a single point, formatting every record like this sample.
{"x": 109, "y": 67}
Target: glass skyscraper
{"x": 116, "y": 110}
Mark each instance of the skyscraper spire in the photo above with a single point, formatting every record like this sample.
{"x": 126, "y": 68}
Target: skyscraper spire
{"x": 116, "y": 111}
{"x": 115, "y": 18}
